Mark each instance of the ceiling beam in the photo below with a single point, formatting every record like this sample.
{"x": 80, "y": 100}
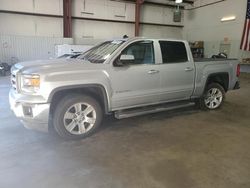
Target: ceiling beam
{"x": 162, "y": 4}
{"x": 151, "y": 3}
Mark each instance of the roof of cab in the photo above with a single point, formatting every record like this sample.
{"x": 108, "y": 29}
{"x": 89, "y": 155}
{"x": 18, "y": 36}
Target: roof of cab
{"x": 146, "y": 38}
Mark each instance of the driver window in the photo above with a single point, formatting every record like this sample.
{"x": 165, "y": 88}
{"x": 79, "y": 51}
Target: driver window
{"x": 142, "y": 51}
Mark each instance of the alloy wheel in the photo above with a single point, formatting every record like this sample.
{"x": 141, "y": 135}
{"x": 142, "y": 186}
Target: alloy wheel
{"x": 213, "y": 98}
{"x": 79, "y": 118}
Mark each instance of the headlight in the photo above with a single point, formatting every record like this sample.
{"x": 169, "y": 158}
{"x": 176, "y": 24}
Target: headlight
{"x": 30, "y": 83}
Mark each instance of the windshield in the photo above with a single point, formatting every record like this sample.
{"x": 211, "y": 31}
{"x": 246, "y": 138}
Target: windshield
{"x": 100, "y": 53}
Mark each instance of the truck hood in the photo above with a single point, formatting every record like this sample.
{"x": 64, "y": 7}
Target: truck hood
{"x": 55, "y": 65}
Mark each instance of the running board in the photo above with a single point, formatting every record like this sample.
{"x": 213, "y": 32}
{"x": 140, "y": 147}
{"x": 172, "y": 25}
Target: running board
{"x": 151, "y": 109}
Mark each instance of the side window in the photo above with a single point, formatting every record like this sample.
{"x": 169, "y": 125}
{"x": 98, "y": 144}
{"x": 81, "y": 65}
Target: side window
{"x": 173, "y": 52}
{"x": 142, "y": 51}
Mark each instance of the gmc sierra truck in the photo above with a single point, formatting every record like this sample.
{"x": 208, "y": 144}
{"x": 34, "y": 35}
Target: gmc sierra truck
{"x": 125, "y": 77}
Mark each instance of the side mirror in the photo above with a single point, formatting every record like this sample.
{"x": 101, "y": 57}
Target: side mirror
{"x": 127, "y": 58}
{"x": 124, "y": 60}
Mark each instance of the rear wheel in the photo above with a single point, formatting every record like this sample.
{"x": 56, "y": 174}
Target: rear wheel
{"x": 213, "y": 97}
{"x": 77, "y": 116}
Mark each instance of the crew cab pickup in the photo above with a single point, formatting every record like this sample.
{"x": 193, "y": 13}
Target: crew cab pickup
{"x": 125, "y": 77}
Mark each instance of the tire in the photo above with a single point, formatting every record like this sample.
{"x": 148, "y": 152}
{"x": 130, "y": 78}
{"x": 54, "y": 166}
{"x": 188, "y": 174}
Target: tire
{"x": 77, "y": 116}
{"x": 213, "y": 97}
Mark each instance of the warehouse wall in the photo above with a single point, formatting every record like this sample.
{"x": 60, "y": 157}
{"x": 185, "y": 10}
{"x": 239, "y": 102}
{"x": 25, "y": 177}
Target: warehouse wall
{"x": 17, "y": 27}
{"x": 204, "y": 24}
{"x": 24, "y": 37}
{"x": 16, "y": 24}
{"x": 121, "y": 11}
{"x": 200, "y": 24}
{"x": 160, "y": 15}
{"x": 21, "y": 48}
{"x": 24, "y": 25}
{"x": 102, "y": 9}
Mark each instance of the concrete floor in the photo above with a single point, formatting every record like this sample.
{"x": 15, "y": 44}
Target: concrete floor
{"x": 245, "y": 68}
{"x": 188, "y": 148}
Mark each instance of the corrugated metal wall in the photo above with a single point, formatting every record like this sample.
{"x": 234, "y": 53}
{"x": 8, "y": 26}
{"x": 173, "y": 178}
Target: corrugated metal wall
{"x": 24, "y": 48}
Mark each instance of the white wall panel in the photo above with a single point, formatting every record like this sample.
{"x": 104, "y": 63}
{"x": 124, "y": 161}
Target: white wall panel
{"x": 130, "y": 12}
{"x": 101, "y": 30}
{"x": 49, "y": 27}
{"x": 22, "y": 48}
{"x": 77, "y": 7}
{"x": 87, "y": 41}
{"x": 48, "y": 6}
{"x": 15, "y": 29}
{"x": 94, "y": 7}
{"x": 14, "y": 24}
{"x": 103, "y": 9}
{"x": 161, "y": 32}
{"x": 159, "y": 14}
{"x": 116, "y": 10}
{"x": 37, "y": 6}
{"x": 17, "y": 5}
{"x": 106, "y": 9}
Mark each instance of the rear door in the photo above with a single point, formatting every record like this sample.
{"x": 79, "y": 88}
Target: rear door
{"x": 177, "y": 71}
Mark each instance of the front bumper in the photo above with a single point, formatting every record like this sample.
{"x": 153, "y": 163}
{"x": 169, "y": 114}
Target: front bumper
{"x": 32, "y": 116}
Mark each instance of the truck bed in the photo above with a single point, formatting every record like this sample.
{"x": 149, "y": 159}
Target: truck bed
{"x": 212, "y": 59}
{"x": 208, "y": 66}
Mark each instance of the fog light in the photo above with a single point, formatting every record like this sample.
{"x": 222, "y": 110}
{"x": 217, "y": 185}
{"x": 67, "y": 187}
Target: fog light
{"x": 27, "y": 111}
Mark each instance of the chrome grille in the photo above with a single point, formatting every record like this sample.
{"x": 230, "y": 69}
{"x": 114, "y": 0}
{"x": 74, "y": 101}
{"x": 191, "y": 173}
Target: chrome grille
{"x": 13, "y": 81}
{"x": 14, "y": 78}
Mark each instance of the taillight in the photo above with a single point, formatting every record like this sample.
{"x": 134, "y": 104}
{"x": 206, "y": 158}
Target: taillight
{"x": 238, "y": 70}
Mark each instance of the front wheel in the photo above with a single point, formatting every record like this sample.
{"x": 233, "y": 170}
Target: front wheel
{"x": 77, "y": 116}
{"x": 213, "y": 97}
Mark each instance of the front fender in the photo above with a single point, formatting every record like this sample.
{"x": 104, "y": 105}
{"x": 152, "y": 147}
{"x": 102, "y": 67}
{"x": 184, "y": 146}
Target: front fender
{"x": 66, "y": 81}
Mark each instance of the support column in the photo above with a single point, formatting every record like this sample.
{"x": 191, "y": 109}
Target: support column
{"x": 137, "y": 16}
{"x": 67, "y": 21}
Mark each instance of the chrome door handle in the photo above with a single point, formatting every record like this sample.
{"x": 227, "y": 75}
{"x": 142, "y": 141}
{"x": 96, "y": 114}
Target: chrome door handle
{"x": 189, "y": 69}
{"x": 153, "y": 71}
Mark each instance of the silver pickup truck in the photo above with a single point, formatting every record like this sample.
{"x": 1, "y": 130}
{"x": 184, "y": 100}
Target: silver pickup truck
{"x": 126, "y": 77}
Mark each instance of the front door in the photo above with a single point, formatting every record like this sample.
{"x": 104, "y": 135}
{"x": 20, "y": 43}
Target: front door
{"x": 137, "y": 83}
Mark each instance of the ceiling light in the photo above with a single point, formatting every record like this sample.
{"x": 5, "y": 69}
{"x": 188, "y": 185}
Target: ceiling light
{"x": 228, "y": 18}
{"x": 178, "y": 1}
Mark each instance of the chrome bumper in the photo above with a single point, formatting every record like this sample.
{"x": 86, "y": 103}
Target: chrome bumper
{"x": 32, "y": 116}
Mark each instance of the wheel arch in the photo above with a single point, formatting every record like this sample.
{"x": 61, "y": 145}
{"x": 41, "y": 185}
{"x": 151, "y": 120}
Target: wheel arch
{"x": 221, "y": 78}
{"x": 95, "y": 90}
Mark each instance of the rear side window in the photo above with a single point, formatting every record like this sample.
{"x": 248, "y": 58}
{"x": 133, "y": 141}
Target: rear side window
{"x": 173, "y": 52}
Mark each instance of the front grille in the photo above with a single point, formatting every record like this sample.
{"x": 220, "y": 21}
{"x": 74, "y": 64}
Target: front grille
{"x": 13, "y": 81}
{"x": 14, "y": 78}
